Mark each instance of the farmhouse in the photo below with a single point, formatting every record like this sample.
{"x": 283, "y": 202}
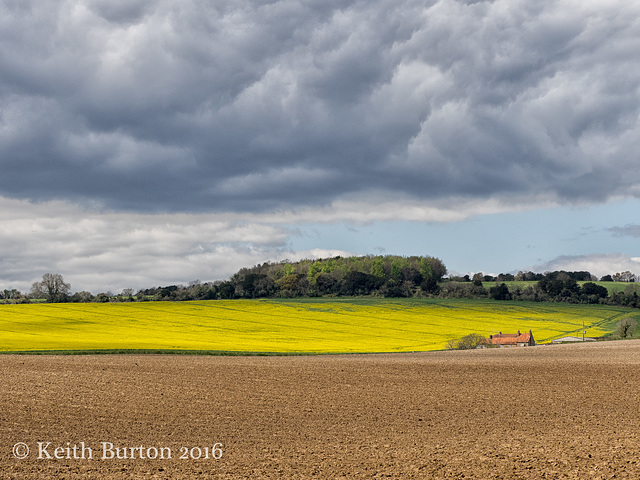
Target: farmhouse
{"x": 513, "y": 339}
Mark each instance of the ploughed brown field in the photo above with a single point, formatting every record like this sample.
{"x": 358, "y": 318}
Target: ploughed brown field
{"x": 562, "y": 411}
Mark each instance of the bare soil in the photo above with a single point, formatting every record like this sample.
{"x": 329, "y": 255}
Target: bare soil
{"x": 564, "y": 411}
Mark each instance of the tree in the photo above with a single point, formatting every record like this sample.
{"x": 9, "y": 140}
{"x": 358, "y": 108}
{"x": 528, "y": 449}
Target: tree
{"x": 437, "y": 267}
{"x": 226, "y": 290}
{"x": 430, "y": 285}
{"x": 102, "y": 298}
{"x": 255, "y": 285}
{"x": 52, "y": 287}
{"x": 473, "y": 340}
{"x": 500, "y": 292}
{"x": 359, "y": 283}
{"x": 594, "y": 289}
{"x": 625, "y": 328}
{"x": 83, "y": 297}
{"x": 624, "y": 277}
{"x": 326, "y": 283}
{"x": 10, "y": 294}
{"x": 559, "y": 286}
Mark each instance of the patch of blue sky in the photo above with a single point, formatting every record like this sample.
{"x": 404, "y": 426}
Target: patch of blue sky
{"x": 494, "y": 243}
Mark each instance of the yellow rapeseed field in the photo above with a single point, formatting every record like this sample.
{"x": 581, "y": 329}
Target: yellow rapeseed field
{"x": 289, "y": 326}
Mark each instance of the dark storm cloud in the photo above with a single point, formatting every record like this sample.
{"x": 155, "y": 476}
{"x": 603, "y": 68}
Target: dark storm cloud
{"x": 256, "y": 105}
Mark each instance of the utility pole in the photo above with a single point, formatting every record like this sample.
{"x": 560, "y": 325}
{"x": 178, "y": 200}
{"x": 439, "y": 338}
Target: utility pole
{"x": 583, "y": 329}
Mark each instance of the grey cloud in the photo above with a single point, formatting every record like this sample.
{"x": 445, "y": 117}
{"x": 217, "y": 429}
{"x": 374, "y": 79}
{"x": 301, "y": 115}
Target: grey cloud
{"x": 627, "y": 230}
{"x": 253, "y": 106}
{"x": 121, "y": 11}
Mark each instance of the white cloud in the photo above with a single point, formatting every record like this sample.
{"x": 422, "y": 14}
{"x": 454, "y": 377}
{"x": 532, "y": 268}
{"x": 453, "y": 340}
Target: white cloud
{"x": 99, "y": 251}
{"x": 384, "y": 206}
{"x": 597, "y": 264}
{"x": 111, "y": 251}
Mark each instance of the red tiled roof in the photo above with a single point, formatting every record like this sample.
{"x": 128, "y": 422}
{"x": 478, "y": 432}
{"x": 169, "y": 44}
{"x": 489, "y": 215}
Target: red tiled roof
{"x": 511, "y": 338}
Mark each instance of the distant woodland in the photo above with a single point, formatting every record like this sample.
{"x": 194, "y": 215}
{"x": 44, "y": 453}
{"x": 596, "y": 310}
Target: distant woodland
{"x": 381, "y": 276}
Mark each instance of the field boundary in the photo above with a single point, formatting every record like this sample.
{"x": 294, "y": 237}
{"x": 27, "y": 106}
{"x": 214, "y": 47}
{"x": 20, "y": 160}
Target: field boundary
{"x": 159, "y": 351}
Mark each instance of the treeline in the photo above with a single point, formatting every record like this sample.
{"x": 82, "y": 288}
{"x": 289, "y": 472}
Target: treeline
{"x": 558, "y": 286}
{"x": 582, "y": 276}
{"x": 384, "y": 276}
{"x": 388, "y": 276}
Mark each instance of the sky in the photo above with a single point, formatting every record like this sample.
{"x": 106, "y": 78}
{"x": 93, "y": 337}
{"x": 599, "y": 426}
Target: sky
{"x": 153, "y": 142}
